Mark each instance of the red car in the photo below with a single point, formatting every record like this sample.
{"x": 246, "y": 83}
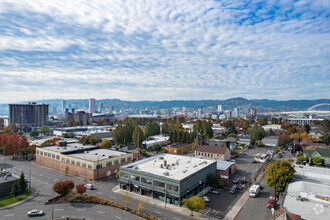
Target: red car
{"x": 271, "y": 203}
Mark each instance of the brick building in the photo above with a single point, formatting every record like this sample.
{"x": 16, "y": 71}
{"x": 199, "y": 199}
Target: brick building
{"x": 225, "y": 169}
{"x": 213, "y": 152}
{"x": 83, "y": 160}
{"x": 31, "y": 114}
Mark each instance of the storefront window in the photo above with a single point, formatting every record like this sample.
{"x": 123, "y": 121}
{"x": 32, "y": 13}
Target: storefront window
{"x": 159, "y": 184}
{"x": 145, "y": 180}
{"x": 136, "y": 178}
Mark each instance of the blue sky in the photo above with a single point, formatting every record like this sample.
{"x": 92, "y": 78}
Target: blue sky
{"x": 164, "y": 50}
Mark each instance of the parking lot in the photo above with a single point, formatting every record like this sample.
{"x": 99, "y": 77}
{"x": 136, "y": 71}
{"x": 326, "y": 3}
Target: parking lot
{"x": 221, "y": 204}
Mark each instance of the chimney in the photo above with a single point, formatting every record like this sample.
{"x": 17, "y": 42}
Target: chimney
{"x": 165, "y": 163}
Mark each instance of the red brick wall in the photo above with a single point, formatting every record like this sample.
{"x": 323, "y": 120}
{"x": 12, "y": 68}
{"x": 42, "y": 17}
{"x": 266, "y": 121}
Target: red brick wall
{"x": 78, "y": 170}
{"x": 226, "y": 172}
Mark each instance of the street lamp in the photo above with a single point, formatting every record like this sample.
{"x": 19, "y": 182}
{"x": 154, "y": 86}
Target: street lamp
{"x": 55, "y": 181}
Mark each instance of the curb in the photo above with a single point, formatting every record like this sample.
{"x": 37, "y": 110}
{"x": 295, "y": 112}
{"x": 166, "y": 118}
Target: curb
{"x": 32, "y": 196}
{"x": 170, "y": 207}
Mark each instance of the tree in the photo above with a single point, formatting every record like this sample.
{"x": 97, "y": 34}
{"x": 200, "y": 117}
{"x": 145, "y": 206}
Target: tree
{"x": 106, "y": 144}
{"x": 81, "y": 189}
{"x": 279, "y": 174}
{"x": 257, "y": 132}
{"x": 307, "y": 128}
{"x": 212, "y": 180}
{"x": 317, "y": 160}
{"x": 140, "y": 206}
{"x": 138, "y": 136}
{"x": 274, "y": 121}
{"x": 311, "y": 161}
{"x": 117, "y": 174}
{"x": 44, "y": 130}
{"x": 326, "y": 137}
{"x": 66, "y": 170}
{"x": 34, "y": 133}
{"x": 270, "y": 132}
{"x": 20, "y": 133}
{"x": 194, "y": 204}
{"x": 323, "y": 163}
{"x": 23, "y": 143}
{"x": 283, "y": 140}
{"x": 15, "y": 189}
{"x": 63, "y": 187}
{"x": 151, "y": 129}
{"x": 263, "y": 121}
{"x": 13, "y": 127}
{"x": 22, "y": 183}
{"x": 301, "y": 159}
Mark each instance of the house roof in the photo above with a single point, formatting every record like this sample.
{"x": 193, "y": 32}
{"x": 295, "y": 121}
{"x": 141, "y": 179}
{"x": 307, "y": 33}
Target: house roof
{"x": 322, "y": 152}
{"x": 212, "y": 149}
{"x": 224, "y": 165}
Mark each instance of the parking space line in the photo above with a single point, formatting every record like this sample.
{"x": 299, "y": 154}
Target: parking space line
{"x": 118, "y": 217}
{"x": 99, "y": 193}
{"x": 100, "y": 212}
{"x": 8, "y": 215}
{"x": 158, "y": 212}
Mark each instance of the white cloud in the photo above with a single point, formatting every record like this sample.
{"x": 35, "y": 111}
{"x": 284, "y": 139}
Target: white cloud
{"x": 164, "y": 49}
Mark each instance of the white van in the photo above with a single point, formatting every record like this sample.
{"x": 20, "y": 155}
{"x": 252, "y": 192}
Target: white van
{"x": 89, "y": 186}
{"x": 254, "y": 190}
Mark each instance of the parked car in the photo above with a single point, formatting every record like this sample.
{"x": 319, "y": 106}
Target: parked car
{"x": 214, "y": 191}
{"x": 280, "y": 156}
{"x": 236, "y": 180}
{"x": 3, "y": 172}
{"x": 89, "y": 186}
{"x": 232, "y": 160}
{"x": 206, "y": 199}
{"x": 35, "y": 212}
{"x": 233, "y": 190}
{"x": 271, "y": 203}
{"x": 242, "y": 153}
{"x": 8, "y": 174}
{"x": 254, "y": 161}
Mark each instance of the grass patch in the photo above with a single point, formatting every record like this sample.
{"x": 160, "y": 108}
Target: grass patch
{"x": 8, "y": 200}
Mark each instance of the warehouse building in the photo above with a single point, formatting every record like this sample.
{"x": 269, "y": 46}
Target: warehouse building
{"x": 88, "y": 161}
{"x": 167, "y": 177}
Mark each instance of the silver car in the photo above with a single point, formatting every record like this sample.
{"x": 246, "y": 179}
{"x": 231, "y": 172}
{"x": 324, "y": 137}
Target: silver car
{"x": 206, "y": 199}
{"x": 35, "y": 212}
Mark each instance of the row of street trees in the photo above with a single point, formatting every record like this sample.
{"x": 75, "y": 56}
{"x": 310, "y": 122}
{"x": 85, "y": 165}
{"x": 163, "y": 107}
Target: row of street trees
{"x": 14, "y": 144}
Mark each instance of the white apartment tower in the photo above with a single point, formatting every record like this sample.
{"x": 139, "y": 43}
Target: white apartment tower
{"x": 91, "y": 105}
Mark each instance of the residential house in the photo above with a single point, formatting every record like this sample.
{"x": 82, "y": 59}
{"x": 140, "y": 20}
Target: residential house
{"x": 319, "y": 152}
{"x": 244, "y": 139}
{"x": 213, "y": 152}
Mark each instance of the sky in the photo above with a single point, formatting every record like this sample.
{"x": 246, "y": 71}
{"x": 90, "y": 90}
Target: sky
{"x": 164, "y": 50}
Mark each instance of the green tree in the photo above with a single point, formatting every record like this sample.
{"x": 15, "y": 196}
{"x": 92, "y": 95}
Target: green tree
{"x": 44, "y": 130}
{"x": 194, "y": 204}
{"x": 22, "y": 183}
{"x": 106, "y": 144}
{"x": 311, "y": 161}
{"x": 301, "y": 159}
{"x": 274, "y": 121}
{"x": 279, "y": 174}
{"x": 323, "y": 163}
{"x": 263, "y": 121}
{"x": 317, "y": 160}
{"x": 326, "y": 137}
{"x": 138, "y": 136}
{"x": 270, "y": 132}
{"x": 20, "y": 133}
{"x": 165, "y": 128}
{"x": 283, "y": 140}
{"x": 212, "y": 180}
{"x": 15, "y": 189}
{"x": 307, "y": 128}
{"x": 151, "y": 129}
{"x": 257, "y": 132}
{"x": 34, "y": 133}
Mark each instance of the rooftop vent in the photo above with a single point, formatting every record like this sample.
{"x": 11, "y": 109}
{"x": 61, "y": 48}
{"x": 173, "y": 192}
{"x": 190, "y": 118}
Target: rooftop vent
{"x": 136, "y": 167}
{"x": 95, "y": 153}
{"x": 184, "y": 171}
{"x": 103, "y": 155}
{"x": 161, "y": 166}
{"x": 195, "y": 166}
{"x": 75, "y": 146}
{"x": 161, "y": 158}
{"x": 188, "y": 161}
{"x": 166, "y": 173}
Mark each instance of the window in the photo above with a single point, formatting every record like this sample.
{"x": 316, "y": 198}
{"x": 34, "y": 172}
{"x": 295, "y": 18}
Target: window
{"x": 89, "y": 166}
{"x": 63, "y": 159}
{"x": 53, "y": 156}
{"x": 41, "y": 153}
{"x": 78, "y": 163}
{"x": 57, "y": 157}
{"x": 108, "y": 164}
{"x": 129, "y": 158}
{"x": 72, "y": 162}
{"x": 172, "y": 187}
{"x": 145, "y": 180}
{"x": 136, "y": 178}
{"x": 49, "y": 154}
{"x": 98, "y": 166}
{"x": 199, "y": 153}
{"x": 122, "y": 160}
{"x": 83, "y": 165}
{"x": 159, "y": 184}
{"x": 37, "y": 152}
{"x": 68, "y": 160}
{"x": 116, "y": 161}
{"x": 123, "y": 175}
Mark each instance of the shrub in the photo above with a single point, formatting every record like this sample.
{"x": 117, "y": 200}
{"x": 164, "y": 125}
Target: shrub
{"x": 81, "y": 189}
{"x": 64, "y": 187}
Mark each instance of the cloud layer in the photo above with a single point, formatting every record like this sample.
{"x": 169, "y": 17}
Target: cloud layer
{"x": 156, "y": 50}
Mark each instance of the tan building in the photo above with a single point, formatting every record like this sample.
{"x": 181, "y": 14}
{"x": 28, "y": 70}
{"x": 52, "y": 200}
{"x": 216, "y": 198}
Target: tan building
{"x": 213, "y": 152}
{"x": 83, "y": 160}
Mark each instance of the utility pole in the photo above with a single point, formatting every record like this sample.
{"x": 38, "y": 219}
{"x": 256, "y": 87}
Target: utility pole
{"x": 30, "y": 176}
{"x": 275, "y": 189}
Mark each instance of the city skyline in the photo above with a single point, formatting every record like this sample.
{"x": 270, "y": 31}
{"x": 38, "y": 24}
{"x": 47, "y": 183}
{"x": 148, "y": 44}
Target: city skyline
{"x": 186, "y": 50}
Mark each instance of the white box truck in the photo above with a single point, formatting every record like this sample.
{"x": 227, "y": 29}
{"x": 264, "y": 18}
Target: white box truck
{"x": 254, "y": 190}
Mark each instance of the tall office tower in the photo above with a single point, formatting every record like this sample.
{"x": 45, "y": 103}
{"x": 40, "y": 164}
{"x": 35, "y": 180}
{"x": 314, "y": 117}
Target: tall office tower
{"x": 253, "y": 112}
{"x": 219, "y": 109}
{"x": 91, "y": 105}
{"x": 199, "y": 112}
{"x": 235, "y": 113}
{"x": 228, "y": 114}
{"x": 31, "y": 114}
{"x": 100, "y": 107}
{"x": 63, "y": 104}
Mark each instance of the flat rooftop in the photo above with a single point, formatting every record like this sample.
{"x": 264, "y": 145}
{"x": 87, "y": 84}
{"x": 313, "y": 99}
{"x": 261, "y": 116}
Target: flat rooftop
{"x": 70, "y": 148}
{"x": 314, "y": 207}
{"x": 99, "y": 154}
{"x": 38, "y": 142}
{"x": 179, "y": 167}
{"x": 312, "y": 174}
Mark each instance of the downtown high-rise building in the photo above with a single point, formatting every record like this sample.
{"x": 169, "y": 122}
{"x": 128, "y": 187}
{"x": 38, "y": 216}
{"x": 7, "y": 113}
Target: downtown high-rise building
{"x": 91, "y": 105}
{"x": 235, "y": 113}
{"x": 219, "y": 109}
{"x": 63, "y": 104}
{"x": 32, "y": 114}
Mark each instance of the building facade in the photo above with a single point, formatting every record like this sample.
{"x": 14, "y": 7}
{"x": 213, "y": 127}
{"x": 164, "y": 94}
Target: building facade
{"x": 178, "y": 149}
{"x": 213, "y": 152}
{"x": 91, "y": 105}
{"x": 32, "y": 114}
{"x": 167, "y": 177}
{"x": 83, "y": 160}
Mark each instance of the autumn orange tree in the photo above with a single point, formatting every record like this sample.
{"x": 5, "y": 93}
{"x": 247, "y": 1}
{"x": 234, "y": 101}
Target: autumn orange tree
{"x": 63, "y": 187}
{"x": 81, "y": 189}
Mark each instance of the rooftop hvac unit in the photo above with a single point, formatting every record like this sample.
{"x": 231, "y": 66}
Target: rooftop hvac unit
{"x": 136, "y": 167}
{"x": 184, "y": 171}
{"x": 161, "y": 158}
{"x": 103, "y": 155}
{"x": 161, "y": 166}
{"x": 195, "y": 166}
{"x": 188, "y": 161}
{"x": 166, "y": 173}
{"x": 173, "y": 164}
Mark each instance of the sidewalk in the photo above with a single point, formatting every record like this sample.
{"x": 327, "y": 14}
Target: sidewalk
{"x": 171, "y": 207}
{"x": 32, "y": 196}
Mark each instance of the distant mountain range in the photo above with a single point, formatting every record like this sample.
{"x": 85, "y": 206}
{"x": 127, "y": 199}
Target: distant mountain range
{"x": 244, "y": 105}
